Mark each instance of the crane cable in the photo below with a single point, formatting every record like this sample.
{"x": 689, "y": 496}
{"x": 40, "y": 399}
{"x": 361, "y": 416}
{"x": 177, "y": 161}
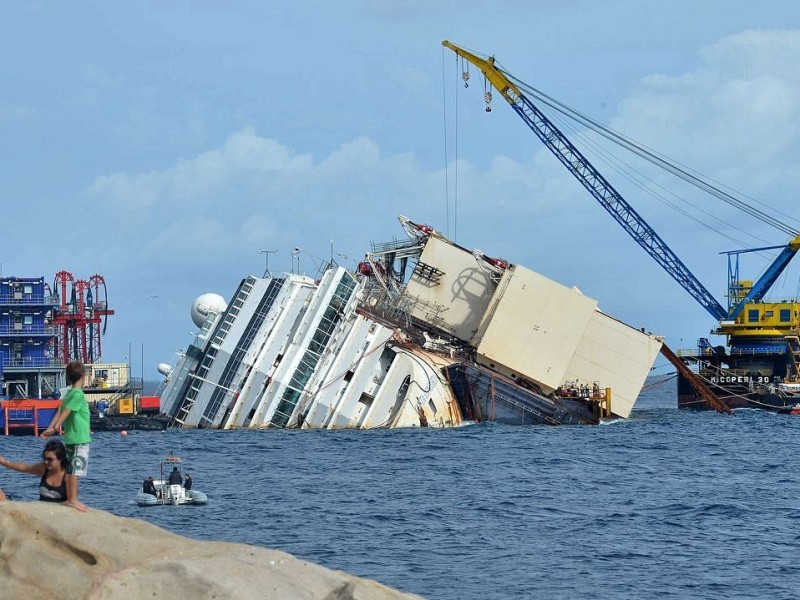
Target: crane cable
{"x": 648, "y": 185}
{"x": 650, "y": 155}
{"x": 446, "y": 174}
{"x": 655, "y": 158}
{"x": 455, "y": 161}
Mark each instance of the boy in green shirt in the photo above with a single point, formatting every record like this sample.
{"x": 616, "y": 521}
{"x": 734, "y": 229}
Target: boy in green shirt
{"x": 73, "y": 414}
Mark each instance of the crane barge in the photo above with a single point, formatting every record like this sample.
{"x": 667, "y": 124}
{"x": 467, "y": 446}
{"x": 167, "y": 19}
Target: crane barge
{"x": 760, "y": 365}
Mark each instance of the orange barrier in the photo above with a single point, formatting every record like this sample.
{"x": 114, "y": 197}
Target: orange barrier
{"x": 25, "y": 413}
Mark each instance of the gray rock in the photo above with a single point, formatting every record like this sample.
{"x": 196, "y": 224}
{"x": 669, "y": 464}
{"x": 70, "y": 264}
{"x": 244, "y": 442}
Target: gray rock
{"x": 51, "y": 551}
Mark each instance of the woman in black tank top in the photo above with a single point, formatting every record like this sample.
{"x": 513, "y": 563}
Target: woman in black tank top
{"x": 52, "y": 469}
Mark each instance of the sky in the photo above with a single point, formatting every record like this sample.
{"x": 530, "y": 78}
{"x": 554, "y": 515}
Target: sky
{"x": 165, "y": 144}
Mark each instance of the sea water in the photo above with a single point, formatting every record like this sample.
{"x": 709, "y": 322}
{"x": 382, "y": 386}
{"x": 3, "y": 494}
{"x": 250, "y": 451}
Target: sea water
{"x": 667, "y": 504}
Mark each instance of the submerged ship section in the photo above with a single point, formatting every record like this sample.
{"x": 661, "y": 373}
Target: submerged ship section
{"x": 425, "y": 333}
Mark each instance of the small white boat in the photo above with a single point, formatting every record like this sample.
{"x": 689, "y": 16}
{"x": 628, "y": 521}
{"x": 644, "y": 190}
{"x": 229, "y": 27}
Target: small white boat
{"x": 167, "y": 490}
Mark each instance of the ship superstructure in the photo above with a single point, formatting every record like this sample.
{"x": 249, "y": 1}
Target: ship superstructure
{"x": 256, "y": 362}
{"x": 424, "y": 333}
{"x": 29, "y": 367}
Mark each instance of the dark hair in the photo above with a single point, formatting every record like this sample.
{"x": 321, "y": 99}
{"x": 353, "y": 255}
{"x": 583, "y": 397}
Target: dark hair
{"x": 57, "y": 448}
{"x": 75, "y": 370}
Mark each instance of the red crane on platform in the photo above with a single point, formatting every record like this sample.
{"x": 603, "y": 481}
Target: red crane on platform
{"x": 79, "y": 316}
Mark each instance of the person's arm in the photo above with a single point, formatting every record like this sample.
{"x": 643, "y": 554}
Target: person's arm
{"x": 57, "y": 421}
{"x": 37, "y": 469}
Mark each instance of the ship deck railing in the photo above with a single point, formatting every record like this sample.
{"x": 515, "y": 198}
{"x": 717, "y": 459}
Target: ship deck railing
{"x": 708, "y": 354}
{"x": 33, "y": 362}
{"x": 28, "y": 330}
{"x": 394, "y": 246}
{"x": 35, "y": 300}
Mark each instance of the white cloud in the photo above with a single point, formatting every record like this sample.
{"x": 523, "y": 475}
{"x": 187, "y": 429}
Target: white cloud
{"x": 197, "y": 241}
{"x": 193, "y": 181}
{"x": 755, "y": 53}
{"x": 735, "y": 116}
{"x": 125, "y": 192}
{"x": 17, "y": 113}
{"x": 361, "y": 153}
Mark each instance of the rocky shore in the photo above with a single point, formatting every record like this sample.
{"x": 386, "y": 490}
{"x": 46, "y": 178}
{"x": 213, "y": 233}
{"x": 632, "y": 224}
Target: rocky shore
{"x": 51, "y": 551}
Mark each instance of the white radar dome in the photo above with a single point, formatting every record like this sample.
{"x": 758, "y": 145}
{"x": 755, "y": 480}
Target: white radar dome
{"x": 164, "y": 368}
{"x": 205, "y": 304}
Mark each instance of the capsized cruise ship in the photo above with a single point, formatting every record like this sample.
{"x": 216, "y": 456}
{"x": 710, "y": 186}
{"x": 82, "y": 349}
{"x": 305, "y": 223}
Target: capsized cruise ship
{"x": 425, "y": 333}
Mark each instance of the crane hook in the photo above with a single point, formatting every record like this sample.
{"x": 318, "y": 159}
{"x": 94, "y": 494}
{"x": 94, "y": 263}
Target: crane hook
{"x": 465, "y": 77}
{"x": 488, "y": 98}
